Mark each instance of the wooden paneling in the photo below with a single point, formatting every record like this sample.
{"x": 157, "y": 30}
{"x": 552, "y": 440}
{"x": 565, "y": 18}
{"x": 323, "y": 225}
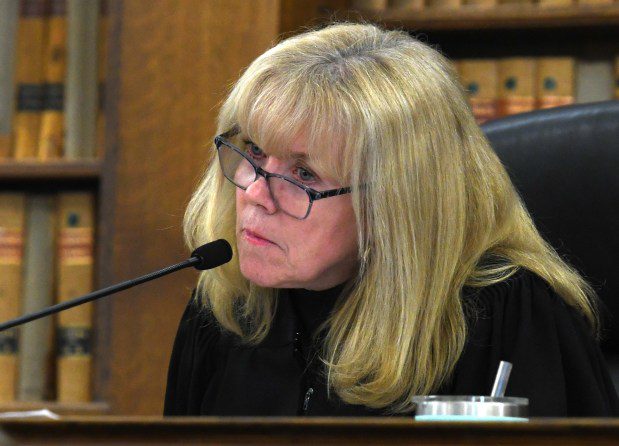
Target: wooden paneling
{"x": 305, "y": 431}
{"x": 176, "y": 60}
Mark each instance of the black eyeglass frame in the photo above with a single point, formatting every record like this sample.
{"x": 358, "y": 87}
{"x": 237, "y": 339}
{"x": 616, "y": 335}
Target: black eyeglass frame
{"x": 313, "y": 194}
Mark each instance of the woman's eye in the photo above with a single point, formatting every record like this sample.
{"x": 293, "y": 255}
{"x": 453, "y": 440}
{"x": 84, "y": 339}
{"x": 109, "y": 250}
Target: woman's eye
{"x": 253, "y": 150}
{"x": 304, "y": 174}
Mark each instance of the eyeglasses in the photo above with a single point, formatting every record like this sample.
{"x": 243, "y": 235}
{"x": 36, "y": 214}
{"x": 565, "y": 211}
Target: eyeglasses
{"x": 290, "y": 196}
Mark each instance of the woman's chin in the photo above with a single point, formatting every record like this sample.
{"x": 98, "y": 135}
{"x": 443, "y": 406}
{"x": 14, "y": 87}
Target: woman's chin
{"x": 259, "y": 275}
{"x": 264, "y": 277}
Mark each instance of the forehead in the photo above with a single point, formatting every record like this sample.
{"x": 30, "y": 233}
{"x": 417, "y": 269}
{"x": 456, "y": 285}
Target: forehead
{"x": 290, "y": 125}
{"x": 295, "y": 150}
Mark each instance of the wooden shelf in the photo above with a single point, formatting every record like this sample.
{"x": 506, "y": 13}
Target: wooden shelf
{"x": 94, "y": 408}
{"x": 505, "y": 16}
{"x": 83, "y": 170}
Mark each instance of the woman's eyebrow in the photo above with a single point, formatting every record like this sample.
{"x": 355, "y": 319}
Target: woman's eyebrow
{"x": 292, "y": 155}
{"x": 299, "y": 156}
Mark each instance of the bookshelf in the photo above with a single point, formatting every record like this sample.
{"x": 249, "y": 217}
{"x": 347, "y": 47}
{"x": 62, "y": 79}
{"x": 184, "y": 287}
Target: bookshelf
{"x": 579, "y": 30}
{"x": 83, "y": 409}
{"x": 49, "y": 153}
{"x": 504, "y": 16}
{"x": 581, "y": 35}
{"x": 56, "y": 171}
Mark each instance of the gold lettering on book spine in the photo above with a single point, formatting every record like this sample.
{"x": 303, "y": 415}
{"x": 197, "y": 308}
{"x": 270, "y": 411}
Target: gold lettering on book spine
{"x": 517, "y": 104}
{"x": 484, "y": 109}
{"x": 75, "y": 246}
{"x": 555, "y": 101}
{"x": 11, "y": 245}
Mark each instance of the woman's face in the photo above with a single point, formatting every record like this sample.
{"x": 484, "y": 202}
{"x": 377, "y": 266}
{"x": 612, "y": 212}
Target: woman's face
{"x": 277, "y": 250}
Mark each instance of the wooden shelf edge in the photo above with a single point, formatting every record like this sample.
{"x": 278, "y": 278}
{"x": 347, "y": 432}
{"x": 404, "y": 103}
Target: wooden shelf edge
{"x": 470, "y": 17}
{"x": 92, "y": 408}
{"x": 50, "y": 170}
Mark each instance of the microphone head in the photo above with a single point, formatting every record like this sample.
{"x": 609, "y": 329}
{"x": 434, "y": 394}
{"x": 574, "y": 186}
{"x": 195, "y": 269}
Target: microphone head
{"x": 212, "y": 254}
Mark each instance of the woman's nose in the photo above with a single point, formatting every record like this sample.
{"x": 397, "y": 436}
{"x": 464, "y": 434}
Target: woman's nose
{"x": 259, "y": 193}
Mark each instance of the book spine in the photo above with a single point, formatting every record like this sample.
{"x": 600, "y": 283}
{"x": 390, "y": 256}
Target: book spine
{"x": 410, "y": 5}
{"x": 35, "y": 338}
{"x": 444, "y": 4}
{"x": 75, "y": 277}
{"x": 9, "y": 15}
{"x": 516, "y": 85}
{"x": 370, "y": 5}
{"x": 555, "y": 81}
{"x": 595, "y": 2}
{"x": 594, "y": 81}
{"x": 52, "y": 120}
{"x": 516, "y": 2}
{"x": 480, "y": 79}
{"x": 81, "y": 81}
{"x": 29, "y": 77}
{"x": 555, "y": 3}
{"x": 12, "y": 210}
{"x": 481, "y": 3}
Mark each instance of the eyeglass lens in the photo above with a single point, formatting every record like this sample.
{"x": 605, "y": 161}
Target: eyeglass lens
{"x": 288, "y": 197}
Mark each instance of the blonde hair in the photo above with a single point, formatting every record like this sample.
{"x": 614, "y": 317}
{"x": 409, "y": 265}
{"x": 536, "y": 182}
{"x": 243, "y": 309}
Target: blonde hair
{"x": 437, "y": 210}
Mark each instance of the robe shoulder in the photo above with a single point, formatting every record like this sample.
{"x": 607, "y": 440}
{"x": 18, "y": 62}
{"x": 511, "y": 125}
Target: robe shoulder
{"x": 557, "y": 363}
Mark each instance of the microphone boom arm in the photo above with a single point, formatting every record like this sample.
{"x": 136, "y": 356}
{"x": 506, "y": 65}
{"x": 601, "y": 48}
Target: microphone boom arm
{"x": 100, "y": 293}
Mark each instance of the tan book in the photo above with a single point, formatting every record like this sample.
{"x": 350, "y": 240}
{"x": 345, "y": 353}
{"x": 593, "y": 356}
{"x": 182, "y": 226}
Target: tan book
{"x": 35, "y": 338}
{"x": 102, "y": 47}
{"x": 482, "y": 3}
{"x": 52, "y": 121}
{"x": 29, "y": 78}
{"x": 75, "y": 257}
{"x": 406, "y": 4}
{"x": 595, "y": 2}
{"x": 81, "y": 81}
{"x": 9, "y": 15}
{"x": 516, "y": 85}
{"x": 12, "y": 210}
{"x": 371, "y": 5}
{"x": 444, "y": 4}
{"x": 480, "y": 79}
{"x": 555, "y": 3}
{"x": 555, "y": 81}
{"x": 5, "y": 146}
{"x": 594, "y": 80}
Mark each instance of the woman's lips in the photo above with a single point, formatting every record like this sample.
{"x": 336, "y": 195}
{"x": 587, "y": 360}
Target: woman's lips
{"x": 255, "y": 239}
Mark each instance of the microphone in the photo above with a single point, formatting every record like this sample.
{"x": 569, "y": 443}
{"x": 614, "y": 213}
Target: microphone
{"x": 210, "y": 255}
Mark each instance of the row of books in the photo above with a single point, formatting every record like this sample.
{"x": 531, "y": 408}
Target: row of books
{"x": 52, "y": 72}
{"x": 500, "y": 87}
{"x": 380, "y": 5}
{"x": 46, "y": 257}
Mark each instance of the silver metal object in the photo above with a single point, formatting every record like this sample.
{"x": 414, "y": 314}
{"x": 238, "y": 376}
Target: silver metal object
{"x": 471, "y": 408}
{"x": 502, "y": 376}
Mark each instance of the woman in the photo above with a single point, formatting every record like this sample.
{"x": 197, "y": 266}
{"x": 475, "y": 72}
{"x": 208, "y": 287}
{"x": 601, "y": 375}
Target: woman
{"x": 381, "y": 250}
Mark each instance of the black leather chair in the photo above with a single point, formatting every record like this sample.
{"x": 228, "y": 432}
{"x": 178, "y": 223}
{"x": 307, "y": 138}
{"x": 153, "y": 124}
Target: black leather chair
{"x": 565, "y": 164}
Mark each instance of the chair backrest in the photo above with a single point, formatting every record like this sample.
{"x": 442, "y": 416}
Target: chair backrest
{"x": 565, "y": 164}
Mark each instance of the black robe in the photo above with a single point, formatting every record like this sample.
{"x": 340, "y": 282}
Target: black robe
{"x": 556, "y": 363}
